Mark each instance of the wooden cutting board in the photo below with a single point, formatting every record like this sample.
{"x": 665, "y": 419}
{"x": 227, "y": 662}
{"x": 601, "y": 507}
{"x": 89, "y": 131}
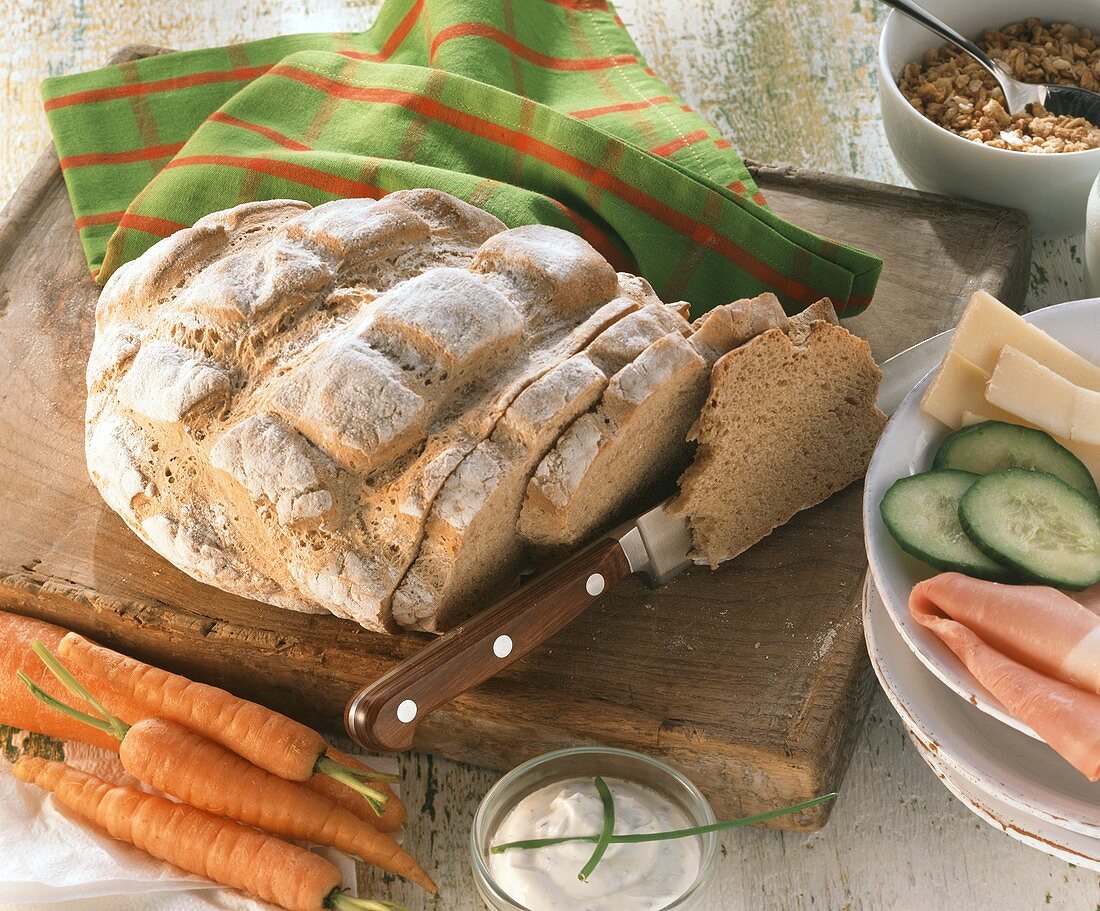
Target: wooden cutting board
{"x": 752, "y": 680}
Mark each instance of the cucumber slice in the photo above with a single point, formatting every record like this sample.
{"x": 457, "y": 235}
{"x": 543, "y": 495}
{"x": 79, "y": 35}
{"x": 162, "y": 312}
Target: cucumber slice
{"x": 1037, "y": 524}
{"x": 922, "y": 513}
{"x": 996, "y": 446}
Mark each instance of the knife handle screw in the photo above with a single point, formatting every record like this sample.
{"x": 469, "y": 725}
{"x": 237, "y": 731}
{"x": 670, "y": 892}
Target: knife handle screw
{"x": 502, "y": 646}
{"x": 406, "y": 711}
{"x": 594, "y": 585}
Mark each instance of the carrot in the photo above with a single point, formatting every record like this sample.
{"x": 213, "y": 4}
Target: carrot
{"x": 17, "y": 707}
{"x": 266, "y": 738}
{"x": 196, "y": 841}
{"x": 393, "y": 812}
{"x": 206, "y": 775}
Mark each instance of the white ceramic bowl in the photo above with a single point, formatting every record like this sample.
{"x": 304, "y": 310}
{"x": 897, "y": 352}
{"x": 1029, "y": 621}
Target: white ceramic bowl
{"x": 1052, "y": 189}
{"x": 1072, "y": 847}
{"x": 907, "y": 447}
{"x": 984, "y": 757}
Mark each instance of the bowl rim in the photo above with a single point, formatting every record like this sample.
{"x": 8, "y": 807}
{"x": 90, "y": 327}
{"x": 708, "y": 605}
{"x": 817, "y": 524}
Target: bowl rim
{"x": 915, "y": 709}
{"x": 887, "y": 83}
{"x": 708, "y": 857}
{"x": 899, "y": 434}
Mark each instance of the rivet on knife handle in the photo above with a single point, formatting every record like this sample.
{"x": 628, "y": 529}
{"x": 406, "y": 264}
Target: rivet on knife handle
{"x": 385, "y": 714}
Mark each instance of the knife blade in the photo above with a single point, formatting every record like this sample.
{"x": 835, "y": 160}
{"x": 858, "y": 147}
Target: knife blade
{"x": 904, "y": 370}
{"x": 385, "y": 714}
{"x": 656, "y": 543}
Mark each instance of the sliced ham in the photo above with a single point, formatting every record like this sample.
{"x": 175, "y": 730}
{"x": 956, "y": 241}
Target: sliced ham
{"x": 1090, "y": 598}
{"x": 1035, "y": 625}
{"x": 1029, "y": 646}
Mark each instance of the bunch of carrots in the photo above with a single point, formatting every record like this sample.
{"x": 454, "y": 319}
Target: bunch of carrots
{"x": 245, "y": 778}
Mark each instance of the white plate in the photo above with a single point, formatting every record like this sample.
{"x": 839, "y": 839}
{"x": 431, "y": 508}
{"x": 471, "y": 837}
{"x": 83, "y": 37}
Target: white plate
{"x": 1072, "y": 847}
{"x": 907, "y": 447}
{"x": 1021, "y": 772}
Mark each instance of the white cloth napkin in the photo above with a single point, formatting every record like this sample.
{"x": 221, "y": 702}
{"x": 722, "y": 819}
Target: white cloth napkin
{"x": 50, "y": 859}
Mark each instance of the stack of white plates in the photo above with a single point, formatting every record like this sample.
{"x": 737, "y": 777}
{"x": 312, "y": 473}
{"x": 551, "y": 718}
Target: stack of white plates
{"x": 993, "y": 763}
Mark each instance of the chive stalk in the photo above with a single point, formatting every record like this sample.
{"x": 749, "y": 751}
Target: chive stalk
{"x": 606, "y": 832}
{"x": 354, "y": 779}
{"x": 65, "y": 709}
{"x": 326, "y": 765}
{"x": 74, "y": 686}
{"x": 529, "y": 844}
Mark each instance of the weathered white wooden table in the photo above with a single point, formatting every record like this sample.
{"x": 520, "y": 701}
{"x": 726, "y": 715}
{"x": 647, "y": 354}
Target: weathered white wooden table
{"x": 787, "y": 81}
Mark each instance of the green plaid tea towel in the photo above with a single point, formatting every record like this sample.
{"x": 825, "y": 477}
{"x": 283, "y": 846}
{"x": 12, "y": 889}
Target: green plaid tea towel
{"x": 536, "y": 110}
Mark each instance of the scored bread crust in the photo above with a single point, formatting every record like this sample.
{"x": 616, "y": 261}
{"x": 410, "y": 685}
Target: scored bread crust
{"x": 277, "y": 394}
{"x": 612, "y": 460}
{"x": 790, "y": 419}
{"x": 470, "y": 551}
{"x": 380, "y": 408}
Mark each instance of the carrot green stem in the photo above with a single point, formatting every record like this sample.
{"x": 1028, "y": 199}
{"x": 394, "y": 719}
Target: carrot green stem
{"x": 115, "y": 725}
{"x": 606, "y": 832}
{"x": 346, "y": 776}
{"x": 326, "y": 764}
{"x": 53, "y": 703}
{"x": 663, "y": 836}
{"x": 341, "y": 901}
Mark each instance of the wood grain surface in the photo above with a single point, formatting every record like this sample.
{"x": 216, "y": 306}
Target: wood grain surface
{"x": 755, "y": 675}
{"x": 787, "y": 82}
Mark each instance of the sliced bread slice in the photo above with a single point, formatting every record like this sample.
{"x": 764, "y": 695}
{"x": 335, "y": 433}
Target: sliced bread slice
{"x": 470, "y": 551}
{"x": 790, "y": 420}
{"x": 611, "y": 460}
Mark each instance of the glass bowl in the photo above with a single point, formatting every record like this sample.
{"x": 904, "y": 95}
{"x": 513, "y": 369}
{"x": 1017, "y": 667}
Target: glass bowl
{"x": 588, "y": 762}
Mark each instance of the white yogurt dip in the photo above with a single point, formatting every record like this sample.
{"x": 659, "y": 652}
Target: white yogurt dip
{"x": 639, "y": 877}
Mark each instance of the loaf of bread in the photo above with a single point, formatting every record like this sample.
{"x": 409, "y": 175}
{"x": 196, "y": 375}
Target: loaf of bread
{"x": 384, "y": 408}
{"x": 789, "y": 420}
{"x": 278, "y": 394}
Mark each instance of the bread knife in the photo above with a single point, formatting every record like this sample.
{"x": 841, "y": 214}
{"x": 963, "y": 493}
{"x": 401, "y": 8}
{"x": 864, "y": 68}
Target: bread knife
{"x": 384, "y": 714}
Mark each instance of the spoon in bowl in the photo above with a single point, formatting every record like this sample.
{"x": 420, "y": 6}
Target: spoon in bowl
{"x": 1058, "y": 99}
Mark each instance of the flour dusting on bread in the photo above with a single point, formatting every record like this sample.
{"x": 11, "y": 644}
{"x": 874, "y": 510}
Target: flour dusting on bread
{"x": 384, "y": 408}
{"x": 278, "y": 394}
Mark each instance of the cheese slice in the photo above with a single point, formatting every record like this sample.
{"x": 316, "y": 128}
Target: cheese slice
{"x": 1026, "y": 389}
{"x": 1086, "y": 417}
{"x": 1033, "y": 392}
{"x": 987, "y": 326}
{"x": 958, "y": 388}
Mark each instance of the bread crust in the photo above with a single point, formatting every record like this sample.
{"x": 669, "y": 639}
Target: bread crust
{"x": 278, "y": 394}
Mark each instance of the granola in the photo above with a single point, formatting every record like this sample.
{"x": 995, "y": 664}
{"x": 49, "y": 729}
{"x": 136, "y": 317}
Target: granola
{"x": 953, "y": 90}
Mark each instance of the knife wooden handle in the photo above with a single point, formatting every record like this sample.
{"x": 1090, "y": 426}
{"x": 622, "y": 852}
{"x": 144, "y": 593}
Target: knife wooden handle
{"x": 384, "y": 715}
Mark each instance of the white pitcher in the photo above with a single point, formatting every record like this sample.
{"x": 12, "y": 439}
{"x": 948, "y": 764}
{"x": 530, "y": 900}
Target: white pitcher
{"x": 1092, "y": 242}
